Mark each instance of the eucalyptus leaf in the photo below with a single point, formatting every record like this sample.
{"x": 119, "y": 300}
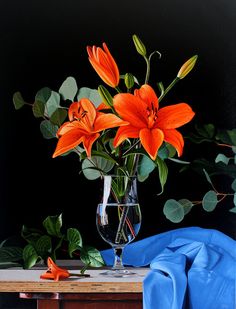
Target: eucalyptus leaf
{"x": 43, "y": 95}
{"x": 93, "y": 167}
{"x": 233, "y": 210}
{"x": 187, "y": 205}
{"x": 222, "y": 158}
{"x": 48, "y": 129}
{"x": 18, "y": 100}
{"x": 38, "y": 109}
{"x": 10, "y": 254}
{"x": 227, "y": 136}
{"x": 209, "y": 201}
{"x": 69, "y": 89}
{"x": 30, "y": 256}
{"x": 206, "y": 130}
{"x": 235, "y": 199}
{"x": 233, "y": 185}
{"x": 52, "y": 104}
{"x": 91, "y": 256}
{"x": 173, "y": 211}
{"x": 208, "y": 177}
{"x": 145, "y": 167}
{"x": 91, "y": 94}
{"x": 59, "y": 116}
{"x": 53, "y": 225}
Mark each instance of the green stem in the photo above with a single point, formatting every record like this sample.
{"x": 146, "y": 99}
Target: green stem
{"x": 148, "y": 70}
{"x": 118, "y": 89}
{"x": 168, "y": 88}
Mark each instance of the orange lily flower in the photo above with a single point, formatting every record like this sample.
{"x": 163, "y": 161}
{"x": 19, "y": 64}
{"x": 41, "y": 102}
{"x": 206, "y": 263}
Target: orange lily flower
{"x": 104, "y": 64}
{"x": 149, "y": 123}
{"x": 85, "y": 123}
{"x": 54, "y": 272}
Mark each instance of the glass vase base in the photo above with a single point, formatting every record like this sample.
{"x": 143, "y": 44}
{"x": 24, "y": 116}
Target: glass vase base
{"x": 118, "y": 273}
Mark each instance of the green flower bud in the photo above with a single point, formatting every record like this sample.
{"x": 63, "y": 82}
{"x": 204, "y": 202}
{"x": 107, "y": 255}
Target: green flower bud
{"x": 129, "y": 80}
{"x": 187, "y": 67}
{"x": 105, "y": 95}
{"x": 140, "y": 47}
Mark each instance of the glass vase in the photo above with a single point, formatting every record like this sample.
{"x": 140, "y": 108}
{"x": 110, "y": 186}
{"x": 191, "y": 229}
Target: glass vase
{"x": 118, "y": 217}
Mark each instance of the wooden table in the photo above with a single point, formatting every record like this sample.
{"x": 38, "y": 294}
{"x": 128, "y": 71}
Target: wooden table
{"x": 97, "y": 291}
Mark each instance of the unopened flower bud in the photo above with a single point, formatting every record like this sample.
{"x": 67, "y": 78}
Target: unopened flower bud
{"x": 187, "y": 67}
{"x": 105, "y": 95}
{"x": 129, "y": 80}
{"x": 140, "y": 47}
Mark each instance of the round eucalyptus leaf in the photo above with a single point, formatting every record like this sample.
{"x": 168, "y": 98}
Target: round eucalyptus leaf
{"x": 52, "y": 104}
{"x": 69, "y": 89}
{"x": 222, "y": 158}
{"x": 233, "y": 185}
{"x": 59, "y": 116}
{"x": 38, "y": 109}
{"x": 43, "y": 95}
{"x": 209, "y": 201}
{"x": 187, "y": 205}
{"x": 145, "y": 167}
{"x": 18, "y": 100}
{"x": 95, "y": 166}
{"x": 91, "y": 94}
{"x": 173, "y": 211}
{"x": 48, "y": 129}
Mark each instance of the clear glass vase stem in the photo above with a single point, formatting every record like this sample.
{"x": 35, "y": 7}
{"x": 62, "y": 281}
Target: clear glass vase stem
{"x": 118, "y": 264}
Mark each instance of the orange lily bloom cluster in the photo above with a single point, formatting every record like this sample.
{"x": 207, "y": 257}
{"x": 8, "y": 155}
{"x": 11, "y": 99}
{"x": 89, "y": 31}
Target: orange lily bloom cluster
{"x": 54, "y": 272}
{"x": 85, "y": 123}
{"x": 149, "y": 123}
{"x": 104, "y": 64}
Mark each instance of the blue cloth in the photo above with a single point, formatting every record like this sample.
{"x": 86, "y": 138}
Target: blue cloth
{"x": 190, "y": 268}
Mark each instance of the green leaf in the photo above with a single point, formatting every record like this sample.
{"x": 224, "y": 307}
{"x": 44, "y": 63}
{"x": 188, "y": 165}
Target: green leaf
{"x": 52, "y": 104}
{"x": 208, "y": 177}
{"x": 173, "y": 211}
{"x": 209, "y": 201}
{"x": 43, "y": 95}
{"x": 145, "y": 167}
{"x": 122, "y": 76}
{"x": 93, "y": 167}
{"x": 161, "y": 88}
{"x": 187, "y": 205}
{"x": 75, "y": 240}
{"x": 227, "y": 136}
{"x": 233, "y": 210}
{"x": 222, "y": 158}
{"x": 233, "y": 185}
{"x": 30, "y": 256}
{"x": 163, "y": 172}
{"x": 43, "y": 246}
{"x": 31, "y": 235}
{"x": 59, "y": 116}
{"x": 206, "y": 130}
{"x": 53, "y": 225}
{"x": 91, "y": 94}
{"x": 69, "y": 89}
{"x": 18, "y": 100}
{"x": 91, "y": 256}
{"x": 163, "y": 152}
{"x": 38, "y": 109}
{"x": 48, "y": 129}
{"x": 10, "y": 254}
{"x": 235, "y": 199}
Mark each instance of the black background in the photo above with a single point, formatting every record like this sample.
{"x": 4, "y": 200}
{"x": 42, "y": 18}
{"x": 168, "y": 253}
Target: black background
{"x": 44, "y": 42}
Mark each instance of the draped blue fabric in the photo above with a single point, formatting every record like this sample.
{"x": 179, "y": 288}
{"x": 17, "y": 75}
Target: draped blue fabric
{"x": 190, "y": 268}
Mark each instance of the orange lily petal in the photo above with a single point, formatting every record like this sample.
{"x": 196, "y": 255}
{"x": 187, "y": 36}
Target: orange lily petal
{"x": 104, "y": 75}
{"x": 106, "y": 121}
{"x": 112, "y": 63}
{"x": 148, "y": 95}
{"x": 68, "y": 141}
{"x": 174, "y": 116}
{"x": 88, "y": 142}
{"x": 102, "y": 106}
{"x": 151, "y": 141}
{"x": 125, "y": 132}
{"x": 131, "y": 109}
{"x": 174, "y": 138}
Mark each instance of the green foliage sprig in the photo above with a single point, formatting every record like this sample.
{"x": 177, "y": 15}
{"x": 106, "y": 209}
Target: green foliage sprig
{"x": 40, "y": 244}
{"x": 223, "y": 164}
